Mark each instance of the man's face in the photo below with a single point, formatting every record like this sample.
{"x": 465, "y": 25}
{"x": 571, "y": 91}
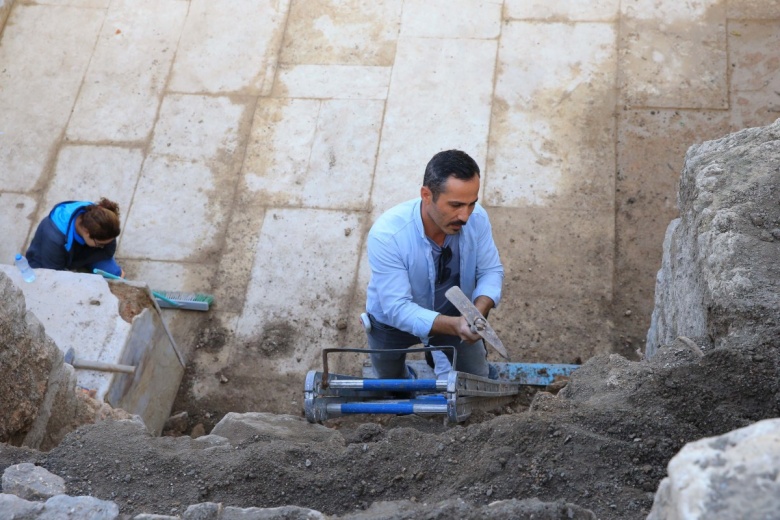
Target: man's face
{"x": 453, "y": 207}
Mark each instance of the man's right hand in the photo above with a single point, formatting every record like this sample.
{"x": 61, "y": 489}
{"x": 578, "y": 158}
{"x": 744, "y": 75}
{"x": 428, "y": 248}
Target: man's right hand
{"x": 454, "y": 326}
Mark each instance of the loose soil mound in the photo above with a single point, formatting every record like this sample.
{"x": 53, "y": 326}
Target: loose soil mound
{"x": 603, "y": 444}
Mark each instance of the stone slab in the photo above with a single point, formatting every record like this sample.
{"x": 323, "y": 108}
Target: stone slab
{"x": 347, "y": 32}
{"x": 753, "y": 64}
{"x": 92, "y": 4}
{"x": 316, "y": 257}
{"x": 557, "y": 294}
{"x": 339, "y": 173}
{"x": 128, "y": 71}
{"x": 229, "y": 46}
{"x": 755, "y": 83}
{"x": 453, "y": 19}
{"x": 313, "y": 153}
{"x": 426, "y": 89}
{"x": 45, "y": 53}
{"x": 673, "y": 55}
{"x": 189, "y": 177}
{"x": 203, "y": 129}
{"x": 16, "y": 219}
{"x": 332, "y": 82}
{"x": 753, "y": 9}
{"x": 277, "y": 155}
{"x": 171, "y": 276}
{"x": 562, "y": 10}
{"x": 172, "y": 192}
{"x": 354, "y": 335}
{"x": 552, "y": 131}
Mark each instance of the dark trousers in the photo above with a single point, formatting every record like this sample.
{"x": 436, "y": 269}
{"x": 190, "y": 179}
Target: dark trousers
{"x": 471, "y": 358}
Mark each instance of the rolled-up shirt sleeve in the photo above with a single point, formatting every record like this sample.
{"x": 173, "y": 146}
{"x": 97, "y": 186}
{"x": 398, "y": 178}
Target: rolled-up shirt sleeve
{"x": 391, "y": 279}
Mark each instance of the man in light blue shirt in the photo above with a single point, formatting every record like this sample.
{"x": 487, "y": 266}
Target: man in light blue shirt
{"x": 419, "y": 249}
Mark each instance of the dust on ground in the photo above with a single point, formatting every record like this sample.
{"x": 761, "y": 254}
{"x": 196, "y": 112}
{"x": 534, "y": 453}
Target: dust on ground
{"x": 602, "y": 443}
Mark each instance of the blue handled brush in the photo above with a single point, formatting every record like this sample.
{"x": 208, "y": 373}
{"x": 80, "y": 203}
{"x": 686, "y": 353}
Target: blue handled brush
{"x": 173, "y": 299}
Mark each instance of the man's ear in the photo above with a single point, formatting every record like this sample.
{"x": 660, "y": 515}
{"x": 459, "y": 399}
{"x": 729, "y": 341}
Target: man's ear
{"x": 426, "y": 194}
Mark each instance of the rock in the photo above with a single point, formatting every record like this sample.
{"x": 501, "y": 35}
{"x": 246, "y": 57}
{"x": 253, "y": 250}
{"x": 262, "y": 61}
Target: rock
{"x": 26, "y": 360}
{"x": 457, "y": 508}
{"x": 31, "y": 482}
{"x": 238, "y": 427}
{"x": 209, "y": 441}
{"x": 556, "y": 386}
{"x": 273, "y": 513}
{"x": 64, "y": 506}
{"x": 215, "y": 511}
{"x": 13, "y": 507}
{"x": 203, "y": 511}
{"x": 718, "y": 281}
{"x": 198, "y": 431}
{"x": 176, "y": 424}
{"x": 734, "y": 475}
{"x": 367, "y": 432}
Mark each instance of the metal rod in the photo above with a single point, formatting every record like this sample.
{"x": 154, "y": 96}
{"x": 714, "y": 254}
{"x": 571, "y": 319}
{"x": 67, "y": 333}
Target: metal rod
{"x": 327, "y": 351}
{"x": 399, "y": 408}
{"x": 103, "y": 367}
{"x": 389, "y": 384}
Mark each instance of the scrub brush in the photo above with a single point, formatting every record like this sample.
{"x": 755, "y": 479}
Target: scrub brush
{"x": 173, "y": 299}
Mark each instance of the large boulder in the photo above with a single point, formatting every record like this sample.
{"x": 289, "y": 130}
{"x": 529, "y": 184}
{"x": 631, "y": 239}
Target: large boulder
{"x": 731, "y": 476}
{"x": 719, "y": 282}
{"x": 27, "y": 359}
{"x": 39, "y": 402}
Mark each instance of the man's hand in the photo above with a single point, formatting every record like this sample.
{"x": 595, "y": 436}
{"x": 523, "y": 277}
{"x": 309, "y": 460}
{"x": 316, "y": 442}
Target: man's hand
{"x": 458, "y": 326}
{"x": 454, "y": 326}
{"x": 464, "y": 331}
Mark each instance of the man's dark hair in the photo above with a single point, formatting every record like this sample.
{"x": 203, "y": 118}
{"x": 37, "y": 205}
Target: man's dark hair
{"x": 450, "y": 163}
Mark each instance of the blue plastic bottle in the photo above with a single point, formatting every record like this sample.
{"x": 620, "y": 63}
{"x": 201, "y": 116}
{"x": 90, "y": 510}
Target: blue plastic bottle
{"x": 27, "y": 273}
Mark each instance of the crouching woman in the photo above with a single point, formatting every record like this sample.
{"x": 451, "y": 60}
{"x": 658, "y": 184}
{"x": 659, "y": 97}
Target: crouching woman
{"x": 77, "y": 235}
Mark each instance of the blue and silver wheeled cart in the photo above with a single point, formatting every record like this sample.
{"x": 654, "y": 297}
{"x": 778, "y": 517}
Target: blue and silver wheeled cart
{"x": 459, "y": 395}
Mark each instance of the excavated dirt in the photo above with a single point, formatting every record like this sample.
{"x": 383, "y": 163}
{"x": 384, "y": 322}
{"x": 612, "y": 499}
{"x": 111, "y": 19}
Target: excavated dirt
{"x": 602, "y": 443}
{"x": 132, "y": 300}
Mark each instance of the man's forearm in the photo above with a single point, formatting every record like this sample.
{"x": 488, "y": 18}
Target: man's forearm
{"x": 445, "y": 325}
{"x": 484, "y": 304}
